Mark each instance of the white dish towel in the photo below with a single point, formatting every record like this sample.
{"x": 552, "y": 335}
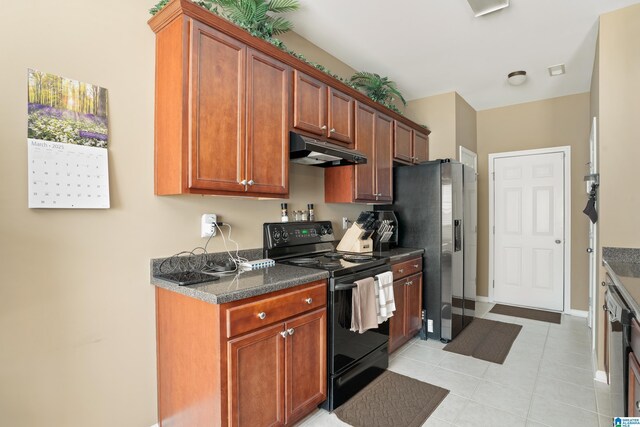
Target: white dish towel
{"x": 384, "y": 294}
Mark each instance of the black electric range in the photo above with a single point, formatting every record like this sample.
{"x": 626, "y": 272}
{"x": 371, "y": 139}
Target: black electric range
{"x": 353, "y": 359}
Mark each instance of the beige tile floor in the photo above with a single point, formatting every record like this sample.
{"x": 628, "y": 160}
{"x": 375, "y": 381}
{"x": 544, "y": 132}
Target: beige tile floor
{"x": 546, "y": 380}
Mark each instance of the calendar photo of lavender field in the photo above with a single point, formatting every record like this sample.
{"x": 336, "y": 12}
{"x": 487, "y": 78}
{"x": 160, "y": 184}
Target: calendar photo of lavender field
{"x": 67, "y": 111}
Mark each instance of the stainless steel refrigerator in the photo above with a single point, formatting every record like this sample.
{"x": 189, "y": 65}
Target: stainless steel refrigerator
{"x": 436, "y": 207}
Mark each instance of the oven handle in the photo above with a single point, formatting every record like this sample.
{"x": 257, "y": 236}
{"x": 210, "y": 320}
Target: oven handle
{"x": 344, "y": 287}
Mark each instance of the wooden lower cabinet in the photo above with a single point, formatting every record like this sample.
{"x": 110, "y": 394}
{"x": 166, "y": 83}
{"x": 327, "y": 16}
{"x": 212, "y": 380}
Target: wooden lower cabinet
{"x": 634, "y": 387}
{"x": 213, "y": 372}
{"x": 407, "y": 291}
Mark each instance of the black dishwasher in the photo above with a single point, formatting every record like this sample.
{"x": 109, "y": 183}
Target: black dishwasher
{"x": 619, "y": 345}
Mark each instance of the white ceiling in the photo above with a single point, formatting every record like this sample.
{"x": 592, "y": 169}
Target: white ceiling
{"x": 430, "y": 47}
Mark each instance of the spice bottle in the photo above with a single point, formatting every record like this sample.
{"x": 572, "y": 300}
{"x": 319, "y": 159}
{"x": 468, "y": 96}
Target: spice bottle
{"x": 284, "y": 214}
{"x": 312, "y": 215}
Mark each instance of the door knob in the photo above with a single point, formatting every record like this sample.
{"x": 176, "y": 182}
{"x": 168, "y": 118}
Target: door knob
{"x": 308, "y": 300}
{"x": 558, "y": 241}
{"x": 243, "y": 182}
{"x": 284, "y": 334}
{"x": 262, "y": 315}
{"x": 251, "y": 182}
{"x": 323, "y": 127}
{"x": 290, "y": 331}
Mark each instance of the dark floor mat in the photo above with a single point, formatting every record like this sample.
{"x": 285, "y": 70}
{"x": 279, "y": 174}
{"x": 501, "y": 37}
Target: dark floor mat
{"x": 392, "y": 400}
{"x": 485, "y": 339}
{"x": 527, "y": 313}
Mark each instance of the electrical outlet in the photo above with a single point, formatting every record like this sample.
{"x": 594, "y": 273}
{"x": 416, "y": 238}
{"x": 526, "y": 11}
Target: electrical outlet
{"x": 429, "y": 325}
{"x": 345, "y": 222}
{"x": 208, "y": 225}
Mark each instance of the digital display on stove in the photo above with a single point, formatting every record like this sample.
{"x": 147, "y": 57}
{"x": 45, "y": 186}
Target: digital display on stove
{"x": 304, "y": 231}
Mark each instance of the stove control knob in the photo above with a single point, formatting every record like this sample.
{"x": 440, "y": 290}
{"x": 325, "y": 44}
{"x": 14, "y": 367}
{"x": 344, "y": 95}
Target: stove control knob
{"x": 323, "y": 231}
{"x": 329, "y": 230}
{"x": 285, "y": 235}
{"x": 277, "y": 235}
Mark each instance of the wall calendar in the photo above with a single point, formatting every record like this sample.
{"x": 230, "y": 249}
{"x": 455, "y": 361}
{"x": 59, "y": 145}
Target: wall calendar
{"x": 67, "y": 143}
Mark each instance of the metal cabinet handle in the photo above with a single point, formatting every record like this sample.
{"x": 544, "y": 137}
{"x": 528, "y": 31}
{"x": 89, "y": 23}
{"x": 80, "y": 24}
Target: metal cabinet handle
{"x": 409, "y": 283}
{"x": 284, "y": 334}
{"x": 262, "y": 315}
{"x": 243, "y": 182}
{"x": 251, "y": 182}
{"x": 290, "y": 331}
{"x": 416, "y": 265}
{"x": 308, "y": 300}
{"x": 401, "y": 270}
{"x": 332, "y": 130}
{"x": 558, "y": 241}
{"x": 323, "y": 127}
{"x": 638, "y": 405}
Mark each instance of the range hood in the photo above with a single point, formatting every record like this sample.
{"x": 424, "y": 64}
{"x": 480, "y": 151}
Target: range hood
{"x": 314, "y": 152}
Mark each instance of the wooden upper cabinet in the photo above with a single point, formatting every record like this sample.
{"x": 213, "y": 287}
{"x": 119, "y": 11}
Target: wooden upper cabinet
{"x": 340, "y": 117}
{"x": 403, "y": 142}
{"x": 268, "y": 100}
{"x": 309, "y": 104}
{"x": 370, "y": 182}
{"x": 420, "y": 147}
{"x": 365, "y": 174}
{"x": 216, "y": 161}
{"x": 383, "y": 158}
{"x": 410, "y": 146}
{"x": 222, "y": 115}
{"x": 322, "y": 110}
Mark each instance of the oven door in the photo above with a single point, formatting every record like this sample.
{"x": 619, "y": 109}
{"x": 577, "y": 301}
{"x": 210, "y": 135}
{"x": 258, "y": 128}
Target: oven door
{"x": 346, "y": 348}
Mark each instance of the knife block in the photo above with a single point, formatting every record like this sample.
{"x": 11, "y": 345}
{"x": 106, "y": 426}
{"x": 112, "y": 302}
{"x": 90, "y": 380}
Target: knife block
{"x": 352, "y": 241}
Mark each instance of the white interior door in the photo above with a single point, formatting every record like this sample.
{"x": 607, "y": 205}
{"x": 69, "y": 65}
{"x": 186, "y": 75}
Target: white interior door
{"x": 529, "y": 230}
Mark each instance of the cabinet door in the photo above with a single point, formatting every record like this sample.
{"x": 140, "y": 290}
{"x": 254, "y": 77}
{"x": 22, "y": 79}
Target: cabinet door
{"x": 383, "y": 158}
{"x": 267, "y": 124}
{"x": 217, "y": 103}
{"x": 402, "y": 142}
{"x": 256, "y": 378}
{"x": 306, "y": 363}
{"x": 413, "y": 304}
{"x": 420, "y": 147}
{"x": 365, "y": 142}
{"x": 397, "y": 321}
{"x": 309, "y": 104}
{"x": 340, "y": 117}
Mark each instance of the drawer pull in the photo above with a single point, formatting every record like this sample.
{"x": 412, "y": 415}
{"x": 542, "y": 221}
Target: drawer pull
{"x": 309, "y": 300}
{"x": 416, "y": 265}
{"x": 638, "y": 405}
{"x": 410, "y": 283}
{"x": 401, "y": 270}
{"x": 262, "y": 315}
{"x": 290, "y": 331}
{"x": 284, "y": 334}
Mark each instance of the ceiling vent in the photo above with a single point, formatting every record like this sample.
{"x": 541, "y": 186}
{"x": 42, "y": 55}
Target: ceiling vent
{"x": 556, "y": 70}
{"x": 482, "y": 7}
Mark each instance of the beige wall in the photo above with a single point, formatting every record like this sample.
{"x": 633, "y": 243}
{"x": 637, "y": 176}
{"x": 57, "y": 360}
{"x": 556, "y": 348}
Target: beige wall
{"x": 466, "y": 126}
{"x": 438, "y": 112}
{"x": 541, "y": 124}
{"x": 616, "y": 103}
{"x": 77, "y": 333}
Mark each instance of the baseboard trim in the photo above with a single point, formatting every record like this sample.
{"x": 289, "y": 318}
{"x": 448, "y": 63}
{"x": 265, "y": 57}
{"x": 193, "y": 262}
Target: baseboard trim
{"x": 482, "y": 299}
{"x": 578, "y": 313}
{"x": 601, "y": 376}
{"x": 155, "y": 425}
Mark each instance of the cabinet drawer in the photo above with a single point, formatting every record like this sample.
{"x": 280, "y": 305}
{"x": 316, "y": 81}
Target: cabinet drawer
{"x": 406, "y": 268}
{"x": 266, "y": 311}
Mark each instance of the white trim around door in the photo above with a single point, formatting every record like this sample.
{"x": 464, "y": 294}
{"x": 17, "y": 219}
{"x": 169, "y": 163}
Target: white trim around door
{"x": 566, "y": 150}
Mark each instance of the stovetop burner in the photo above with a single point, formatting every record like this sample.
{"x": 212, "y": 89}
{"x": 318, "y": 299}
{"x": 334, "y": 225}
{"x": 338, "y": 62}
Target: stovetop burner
{"x": 357, "y": 257}
{"x": 305, "y": 261}
{"x": 334, "y": 255}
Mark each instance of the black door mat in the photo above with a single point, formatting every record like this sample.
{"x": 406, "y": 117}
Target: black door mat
{"x": 527, "y": 313}
{"x": 392, "y": 400}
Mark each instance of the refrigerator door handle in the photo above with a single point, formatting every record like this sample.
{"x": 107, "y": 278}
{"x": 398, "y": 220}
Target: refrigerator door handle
{"x": 457, "y": 235}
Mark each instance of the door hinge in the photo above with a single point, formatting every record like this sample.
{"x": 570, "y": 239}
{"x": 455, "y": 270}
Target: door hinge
{"x": 493, "y": 175}
{"x": 494, "y": 284}
{"x": 494, "y": 229}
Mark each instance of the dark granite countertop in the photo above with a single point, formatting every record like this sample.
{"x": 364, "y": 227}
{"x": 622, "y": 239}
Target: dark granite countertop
{"x": 233, "y": 286}
{"x": 623, "y": 265}
{"x": 400, "y": 254}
